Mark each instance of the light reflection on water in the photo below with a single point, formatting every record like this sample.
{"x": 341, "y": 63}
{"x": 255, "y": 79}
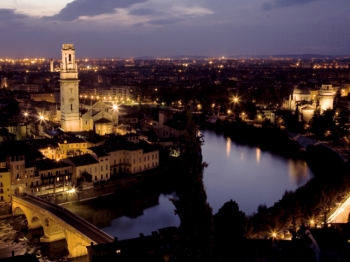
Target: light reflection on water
{"x": 258, "y": 155}
{"x": 298, "y": 171}
{"x": 228, "y": 147}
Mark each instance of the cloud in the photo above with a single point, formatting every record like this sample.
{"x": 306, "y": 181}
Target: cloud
{"x": 164, "y": 21}
{"x": 9, "y": 15}
{"x": 144, "y": 11}
{"x": 91, "y": 8}
{"x": 284, "y": 3}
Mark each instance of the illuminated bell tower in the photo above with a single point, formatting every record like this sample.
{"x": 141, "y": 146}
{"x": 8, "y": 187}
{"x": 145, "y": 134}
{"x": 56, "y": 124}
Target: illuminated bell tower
{"x": 69, "y": 85}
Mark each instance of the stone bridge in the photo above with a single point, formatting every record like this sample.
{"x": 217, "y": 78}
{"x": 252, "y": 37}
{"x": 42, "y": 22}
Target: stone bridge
{"x": 59, "y": 223}
{"x": 341, "y": 214}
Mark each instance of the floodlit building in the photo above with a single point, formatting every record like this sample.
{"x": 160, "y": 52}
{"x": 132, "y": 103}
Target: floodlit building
{"x": 306, "y": 101}
{"x": 326, "y": 96}
{"x": 74, "y": 117}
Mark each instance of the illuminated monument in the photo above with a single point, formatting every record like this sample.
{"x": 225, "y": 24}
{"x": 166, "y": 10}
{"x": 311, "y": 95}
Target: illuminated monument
{"x": 101, "y": 116}
{"x": 69, "y": 87}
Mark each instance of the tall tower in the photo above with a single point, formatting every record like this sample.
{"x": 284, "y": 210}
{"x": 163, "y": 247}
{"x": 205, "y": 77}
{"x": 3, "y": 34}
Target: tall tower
{"x": 69, "y": 85}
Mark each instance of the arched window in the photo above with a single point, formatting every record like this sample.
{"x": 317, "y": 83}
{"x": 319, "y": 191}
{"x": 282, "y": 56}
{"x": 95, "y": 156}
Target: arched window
{"x": 70, "y": 58}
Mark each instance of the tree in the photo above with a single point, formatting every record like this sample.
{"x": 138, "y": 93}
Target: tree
{"x": 196, "y": 240}
{"x": 320, "y": 123}
{"x": 230, "y": 223}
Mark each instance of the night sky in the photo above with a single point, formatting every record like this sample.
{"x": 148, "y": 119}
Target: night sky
{"x": 154, "y": 28}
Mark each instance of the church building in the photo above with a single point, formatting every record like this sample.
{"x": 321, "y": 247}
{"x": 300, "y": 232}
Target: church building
{"x": 74, "y": 117}
{"x": 307, "y": 101}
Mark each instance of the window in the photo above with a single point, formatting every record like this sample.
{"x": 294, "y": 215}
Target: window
{"x": 107, "y": 176}
{"x": 95, "y": 178}
{"x": 71, "y": 106}
{"x": 106, "y": 167}
{"x": 101, "y": 168}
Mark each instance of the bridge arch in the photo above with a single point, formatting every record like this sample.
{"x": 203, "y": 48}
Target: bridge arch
{"x": 17, "y": 211}
{"x": 59, "y": 223}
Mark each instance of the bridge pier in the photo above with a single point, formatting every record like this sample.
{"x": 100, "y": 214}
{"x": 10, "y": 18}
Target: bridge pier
{"x": 76, "y": 246}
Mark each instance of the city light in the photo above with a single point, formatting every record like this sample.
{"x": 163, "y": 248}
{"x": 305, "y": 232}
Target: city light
{"x": 71, "y": 190}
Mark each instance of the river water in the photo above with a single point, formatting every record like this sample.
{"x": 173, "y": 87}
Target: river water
{"x": 244, "y": 174}
{"x": 247, "y": 175}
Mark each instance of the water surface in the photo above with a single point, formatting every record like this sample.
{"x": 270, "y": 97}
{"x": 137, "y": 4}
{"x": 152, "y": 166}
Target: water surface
{"x": 246, "y": 174}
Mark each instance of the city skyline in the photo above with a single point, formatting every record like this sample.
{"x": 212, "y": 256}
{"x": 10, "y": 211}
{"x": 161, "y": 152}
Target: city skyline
{"x": 141, "y": 28}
